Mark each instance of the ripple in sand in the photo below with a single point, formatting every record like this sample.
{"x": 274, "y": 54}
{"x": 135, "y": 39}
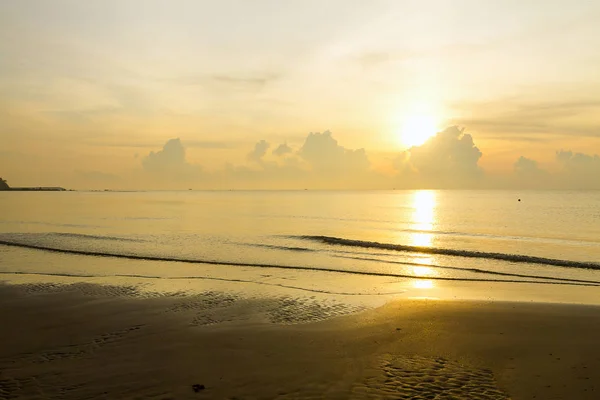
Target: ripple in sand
{"x": 84, "y": 289}
{"x": 428, "y": 378}
{"x": 214, "y": 307}
{"x": 290, "y": 310}
{"x": 204, "y": 301}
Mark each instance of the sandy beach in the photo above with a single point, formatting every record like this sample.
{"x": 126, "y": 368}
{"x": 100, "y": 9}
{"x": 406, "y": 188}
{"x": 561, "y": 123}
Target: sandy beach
{"x": 99, "y": 342}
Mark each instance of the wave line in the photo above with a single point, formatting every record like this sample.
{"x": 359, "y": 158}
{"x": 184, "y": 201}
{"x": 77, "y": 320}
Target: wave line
{"x": 517, "y": 258}
{"x": 475, "y": 270}
{"x": 274, "y": 266}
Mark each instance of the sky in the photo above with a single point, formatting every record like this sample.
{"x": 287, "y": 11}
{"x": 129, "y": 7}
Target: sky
{"x": 342, "y": 94}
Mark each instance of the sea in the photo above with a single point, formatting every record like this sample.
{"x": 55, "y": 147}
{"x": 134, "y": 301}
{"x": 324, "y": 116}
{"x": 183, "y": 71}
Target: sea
{"x": 357, "y": 247}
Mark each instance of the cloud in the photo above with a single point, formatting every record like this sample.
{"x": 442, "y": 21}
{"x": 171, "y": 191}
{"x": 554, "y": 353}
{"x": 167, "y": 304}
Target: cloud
{"x": 208, "y": 144}
{"x": 514, "y": 120}
{"x": 260, "y": 149}
{"x": 321, "y": 163}
{"x": 526, "y": 166}
{"x": 257, "y": 81}
{"x": 578, "y": 162}
{"x": 325, "y": 155}
{"x": 448, "y": 159}
{"x": 170, "y": 162}
{"x": 579, "y": 170}
{"x": 248, "y": 81}
{"x": 575, "y": 171}
{"x": 282, "y": 150}
{"x": 132, "y": 143}
{"x": 528, "y": 174}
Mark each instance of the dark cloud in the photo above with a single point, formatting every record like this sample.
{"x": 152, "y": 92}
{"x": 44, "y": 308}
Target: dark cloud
{"x": 282, "y": 150}
{"x": 260, "y": 149}
{"x": 449, "y": 159}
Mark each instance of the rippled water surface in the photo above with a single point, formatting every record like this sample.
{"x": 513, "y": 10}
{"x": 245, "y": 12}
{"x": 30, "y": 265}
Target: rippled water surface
{"x": 333, "y": 242}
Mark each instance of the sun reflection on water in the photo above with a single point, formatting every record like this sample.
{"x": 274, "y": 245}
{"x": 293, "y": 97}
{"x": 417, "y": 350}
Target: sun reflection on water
{"x": 422, "y": 225}
{"x": 423, "y": 217}
{"x": 423, "y": 284}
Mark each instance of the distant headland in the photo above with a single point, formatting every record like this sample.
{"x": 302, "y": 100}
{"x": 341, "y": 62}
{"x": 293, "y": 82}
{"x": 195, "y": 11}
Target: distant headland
{"x": 4, "y": 187}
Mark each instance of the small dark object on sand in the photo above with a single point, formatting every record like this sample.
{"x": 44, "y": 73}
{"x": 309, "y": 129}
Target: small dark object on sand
{"x": 197, "y": 387}
{"x": 519, "y": 199}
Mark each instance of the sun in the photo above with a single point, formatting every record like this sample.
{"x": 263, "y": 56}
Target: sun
{"x": 416, "y": 129}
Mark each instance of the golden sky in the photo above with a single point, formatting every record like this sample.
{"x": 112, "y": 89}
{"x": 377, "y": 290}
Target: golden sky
{"x": 88, "y": 89}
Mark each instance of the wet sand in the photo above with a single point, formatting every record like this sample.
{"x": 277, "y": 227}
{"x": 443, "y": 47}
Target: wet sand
{"x": 99, "y": 342}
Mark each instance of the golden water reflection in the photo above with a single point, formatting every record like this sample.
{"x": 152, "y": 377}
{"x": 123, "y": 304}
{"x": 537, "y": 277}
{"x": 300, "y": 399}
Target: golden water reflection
{"x": 423, "y": 271}
{"x": 423, "y": 284}
{"x": 423, "y": 218}
{"x": 422, "y": 224}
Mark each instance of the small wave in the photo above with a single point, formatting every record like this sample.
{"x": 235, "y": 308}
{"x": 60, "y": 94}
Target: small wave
{"x": 534, "y": 239}
{"x": 275, "y": 247}
{"x": 95, "y": 237}
{"x": 473, "y": 270}
{"x": 26, "y": 236}
{"x": 516, "y": 258}
{"x": 275, "y": 266}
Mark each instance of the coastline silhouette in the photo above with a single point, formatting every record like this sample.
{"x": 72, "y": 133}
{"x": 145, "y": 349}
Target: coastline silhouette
{"x": 4, "y": 186}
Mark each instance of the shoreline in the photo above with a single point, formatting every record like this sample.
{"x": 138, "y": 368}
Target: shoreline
{"x": 79, "y": 344}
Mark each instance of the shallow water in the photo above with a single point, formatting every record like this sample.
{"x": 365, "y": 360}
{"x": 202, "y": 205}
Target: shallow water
{"x": 420, "y": 243}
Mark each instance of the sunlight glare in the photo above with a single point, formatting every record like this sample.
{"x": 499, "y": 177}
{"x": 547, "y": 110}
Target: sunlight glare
{"x": 417, "y": 129}
{"x": 423, "y": 217}
{"x": 423, "y": 284}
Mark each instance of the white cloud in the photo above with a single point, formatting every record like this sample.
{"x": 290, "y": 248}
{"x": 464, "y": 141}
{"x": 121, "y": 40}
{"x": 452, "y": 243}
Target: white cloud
{"x": 325, "y": 155}
{"x": 170, "y": 162}
{"x": 260, "y": 149}
{"x": 448, "y": 159}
